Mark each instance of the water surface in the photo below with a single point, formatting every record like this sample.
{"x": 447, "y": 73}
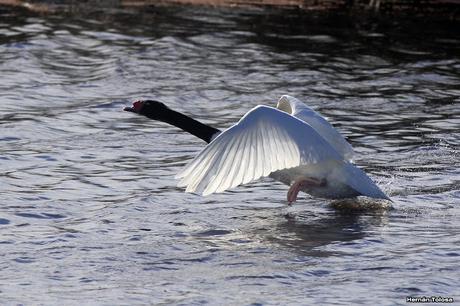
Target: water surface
{"x": 90, "y": 213}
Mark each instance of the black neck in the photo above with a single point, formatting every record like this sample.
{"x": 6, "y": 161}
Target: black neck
{"x": 188, "y": 124}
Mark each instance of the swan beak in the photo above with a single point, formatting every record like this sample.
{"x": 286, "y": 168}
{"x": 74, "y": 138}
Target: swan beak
{"x": 129, "y": 109}
{"x": 137, "y": 105}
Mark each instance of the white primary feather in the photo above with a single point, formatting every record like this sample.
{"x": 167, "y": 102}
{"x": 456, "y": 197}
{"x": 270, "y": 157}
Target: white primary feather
{"x": 301, "y": 111}
{"x": 263, "y": 141}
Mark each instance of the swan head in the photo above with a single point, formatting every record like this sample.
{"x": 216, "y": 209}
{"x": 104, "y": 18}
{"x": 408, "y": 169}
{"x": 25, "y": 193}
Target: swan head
{"x": 284, "y": 105}
{"x": 150, "y": 108}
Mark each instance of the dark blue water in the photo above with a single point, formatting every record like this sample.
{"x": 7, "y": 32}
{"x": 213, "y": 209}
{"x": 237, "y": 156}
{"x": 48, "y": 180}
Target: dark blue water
{"x": 89, "y": 210}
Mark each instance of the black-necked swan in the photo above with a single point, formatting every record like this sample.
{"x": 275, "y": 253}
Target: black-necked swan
{"x": 291, "y": 143}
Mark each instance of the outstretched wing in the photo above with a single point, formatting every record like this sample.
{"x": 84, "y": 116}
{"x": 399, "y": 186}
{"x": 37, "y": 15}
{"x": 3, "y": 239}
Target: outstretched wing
{"x": 263, "y": 141}
{"x": 301, "y": 111}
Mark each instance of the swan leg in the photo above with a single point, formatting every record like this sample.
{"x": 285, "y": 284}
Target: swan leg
{"x": 300, "y": 184}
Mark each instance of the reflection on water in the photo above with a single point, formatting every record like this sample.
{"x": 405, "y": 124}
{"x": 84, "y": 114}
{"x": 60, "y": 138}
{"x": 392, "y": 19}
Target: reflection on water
{"x": 306, "y": 233}
{"x": 90, "y": 210}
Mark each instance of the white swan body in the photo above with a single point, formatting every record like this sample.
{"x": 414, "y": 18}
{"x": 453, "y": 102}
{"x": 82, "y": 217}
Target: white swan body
{"x": 292, "y": 144}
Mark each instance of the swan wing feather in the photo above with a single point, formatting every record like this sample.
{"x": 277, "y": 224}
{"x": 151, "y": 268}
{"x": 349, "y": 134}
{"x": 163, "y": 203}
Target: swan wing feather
{"x": 301, "y": 111}
{"x": 263, "y": 141}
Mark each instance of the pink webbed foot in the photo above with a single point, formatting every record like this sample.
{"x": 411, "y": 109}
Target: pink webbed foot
{"x": 297, "y": 186}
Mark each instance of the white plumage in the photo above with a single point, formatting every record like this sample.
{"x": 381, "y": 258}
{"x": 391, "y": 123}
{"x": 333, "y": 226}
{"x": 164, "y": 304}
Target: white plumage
{"x": 301, "y": 111}
{"x": 292, "y": 144}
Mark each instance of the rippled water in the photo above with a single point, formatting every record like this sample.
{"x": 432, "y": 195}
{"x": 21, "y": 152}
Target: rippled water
{"x": 90, "y": 213}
